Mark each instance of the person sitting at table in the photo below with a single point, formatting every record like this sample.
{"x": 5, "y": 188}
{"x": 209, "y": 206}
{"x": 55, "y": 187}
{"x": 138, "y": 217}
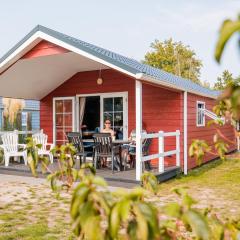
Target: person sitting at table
{"x": 108, "y": 129}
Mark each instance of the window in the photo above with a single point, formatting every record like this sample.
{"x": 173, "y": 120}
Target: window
{"x": 24, "y": 119}
{"x": 113, "y": 110}
{"x": 200, "y": 114}
{"x": 63, "y": 118}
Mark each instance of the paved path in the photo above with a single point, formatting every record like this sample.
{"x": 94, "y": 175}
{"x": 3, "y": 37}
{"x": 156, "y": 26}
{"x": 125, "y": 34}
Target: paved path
{"x": 4, "y": 178}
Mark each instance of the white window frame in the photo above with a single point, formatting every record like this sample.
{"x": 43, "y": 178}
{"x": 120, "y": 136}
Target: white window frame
{"x": 106, "y": 95}
{"x": 203, "y": 122}
{"x": 54, "y": 114}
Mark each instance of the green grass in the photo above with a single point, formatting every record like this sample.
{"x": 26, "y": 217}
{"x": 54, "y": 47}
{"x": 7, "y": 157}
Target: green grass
{"x": 216, "y": 183}
{"x": 37, "y": 217}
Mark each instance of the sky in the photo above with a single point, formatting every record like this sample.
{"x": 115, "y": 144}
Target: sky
{"x": 129, "y": 26}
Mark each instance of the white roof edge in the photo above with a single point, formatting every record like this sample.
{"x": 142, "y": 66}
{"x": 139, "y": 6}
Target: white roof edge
{"x": 17, "y": 54}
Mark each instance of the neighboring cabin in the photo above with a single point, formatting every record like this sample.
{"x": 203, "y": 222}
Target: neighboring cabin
{"x": 30, "y": 114}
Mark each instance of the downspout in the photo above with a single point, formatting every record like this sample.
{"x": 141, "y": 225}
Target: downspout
{"x": 185, "y": 132}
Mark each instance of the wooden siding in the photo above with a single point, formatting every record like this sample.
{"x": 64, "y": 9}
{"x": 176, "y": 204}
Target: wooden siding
{"x": 204, "y": 133}
{"x": 44, "y": 48}
{"x": 161, "y": 107}
{"x": 162, "y": 111}
{"x": 85, "y": 83}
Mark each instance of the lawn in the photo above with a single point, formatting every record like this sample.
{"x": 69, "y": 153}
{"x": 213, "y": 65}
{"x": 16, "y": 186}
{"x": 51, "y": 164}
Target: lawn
{"x": 215, "y": 185}
{"x": 29, "y": 210}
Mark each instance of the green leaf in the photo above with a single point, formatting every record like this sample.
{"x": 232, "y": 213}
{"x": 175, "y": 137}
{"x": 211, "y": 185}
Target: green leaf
{"x": 173, "y": 210}
{"x": 124, "y": 209}
{"x": 99, "y": 181}
{"x": 188, "y": 201}
{"x": 142, "y": 227}
{"x": 198, "y": 224}
{"x": 114, "y": 221}
{"x": 228, "y": 28}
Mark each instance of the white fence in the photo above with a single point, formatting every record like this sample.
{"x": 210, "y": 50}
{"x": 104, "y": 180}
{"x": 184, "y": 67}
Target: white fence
{"x": 161, "y": 148}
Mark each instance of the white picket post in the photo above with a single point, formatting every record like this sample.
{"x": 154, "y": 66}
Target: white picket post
{"x": 178, "y": 148}
{"x": 161, "y": 151}
{"x": 138, "y": 159}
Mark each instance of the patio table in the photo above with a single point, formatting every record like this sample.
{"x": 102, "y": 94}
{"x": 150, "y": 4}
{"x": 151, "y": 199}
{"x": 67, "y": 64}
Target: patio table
{"x": 120, "y": 142}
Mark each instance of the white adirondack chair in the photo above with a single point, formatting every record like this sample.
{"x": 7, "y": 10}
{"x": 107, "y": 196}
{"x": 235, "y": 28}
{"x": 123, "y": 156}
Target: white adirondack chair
{"x": 11, "y": 146}
{"x": 41, "y": 138}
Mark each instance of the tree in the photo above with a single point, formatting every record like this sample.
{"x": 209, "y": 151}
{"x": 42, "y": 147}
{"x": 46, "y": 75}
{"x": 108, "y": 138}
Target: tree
{"x": 12, "y": 113}
{"x": 174, "y": 57}
{"x": 225, "y": 80}
{"x": 206, "y": 84}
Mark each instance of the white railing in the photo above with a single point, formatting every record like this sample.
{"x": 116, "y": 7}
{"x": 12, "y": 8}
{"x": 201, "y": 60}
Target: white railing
{"x": 161, "y": 148}
{"x": 212, "y": 115}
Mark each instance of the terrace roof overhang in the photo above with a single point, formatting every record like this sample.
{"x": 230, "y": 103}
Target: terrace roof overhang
{"x": 34, "y": 78}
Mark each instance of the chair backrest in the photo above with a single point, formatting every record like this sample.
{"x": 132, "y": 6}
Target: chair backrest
{"x": 146, "y": 145}
{"x": 103, "y": 143}
{"x": 10, "y": 141}
{"x": 41, "y": 138}
{"x": 75, "y": 138}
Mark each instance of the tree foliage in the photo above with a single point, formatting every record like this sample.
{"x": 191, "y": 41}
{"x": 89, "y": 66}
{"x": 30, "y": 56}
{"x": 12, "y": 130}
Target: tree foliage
{"x": 12, "y": 113}
{"x": 174, "y": 57}
{"x": 225, "y": 80}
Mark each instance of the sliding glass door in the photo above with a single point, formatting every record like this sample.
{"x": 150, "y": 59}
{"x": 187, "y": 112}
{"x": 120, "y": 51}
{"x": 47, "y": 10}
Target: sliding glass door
{"x": 114, "y": 108}
{"x": 63, "y": 118}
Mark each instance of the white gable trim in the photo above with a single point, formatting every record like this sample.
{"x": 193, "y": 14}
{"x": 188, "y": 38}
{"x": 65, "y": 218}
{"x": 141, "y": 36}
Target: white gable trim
{"x": 38, "y": 36}
{"x": 20, "y": 51}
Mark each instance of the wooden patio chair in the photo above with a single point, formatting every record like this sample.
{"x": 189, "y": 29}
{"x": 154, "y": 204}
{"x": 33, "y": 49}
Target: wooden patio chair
{"x": 145, "y": 151}
{"x": 45, "y": 150}
{"x": 75, "y": 138}
{"x": 11, "y": 147}
{"x": 104, "y": 148}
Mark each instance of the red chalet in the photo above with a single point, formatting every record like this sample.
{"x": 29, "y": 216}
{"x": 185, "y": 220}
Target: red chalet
{"x": 78, "y": 83}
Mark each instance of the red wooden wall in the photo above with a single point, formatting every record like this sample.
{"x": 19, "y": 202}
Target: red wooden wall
{"x": 161, "y": 107}
{"x": 85, "y": 83}
{"x": 204, "y": 133}
{"x": 162, "y": 111}
{"x": 44, "y": 48}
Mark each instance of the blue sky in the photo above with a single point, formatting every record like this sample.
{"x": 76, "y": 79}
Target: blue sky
{"x": 128, "y": 27}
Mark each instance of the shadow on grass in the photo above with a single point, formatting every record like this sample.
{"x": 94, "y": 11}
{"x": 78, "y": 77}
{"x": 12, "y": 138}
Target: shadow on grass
{"x": 198, "y": 171}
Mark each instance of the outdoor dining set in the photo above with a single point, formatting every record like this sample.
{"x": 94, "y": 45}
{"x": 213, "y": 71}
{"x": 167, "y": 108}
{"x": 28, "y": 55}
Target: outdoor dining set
{"x": 99, "y": 147}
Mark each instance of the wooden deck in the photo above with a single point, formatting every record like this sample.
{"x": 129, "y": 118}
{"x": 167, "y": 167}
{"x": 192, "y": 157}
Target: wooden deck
{"x": 121, "y": 179}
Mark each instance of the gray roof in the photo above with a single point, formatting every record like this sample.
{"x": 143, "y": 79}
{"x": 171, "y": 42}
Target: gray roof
{"x": 125, "y": 63}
